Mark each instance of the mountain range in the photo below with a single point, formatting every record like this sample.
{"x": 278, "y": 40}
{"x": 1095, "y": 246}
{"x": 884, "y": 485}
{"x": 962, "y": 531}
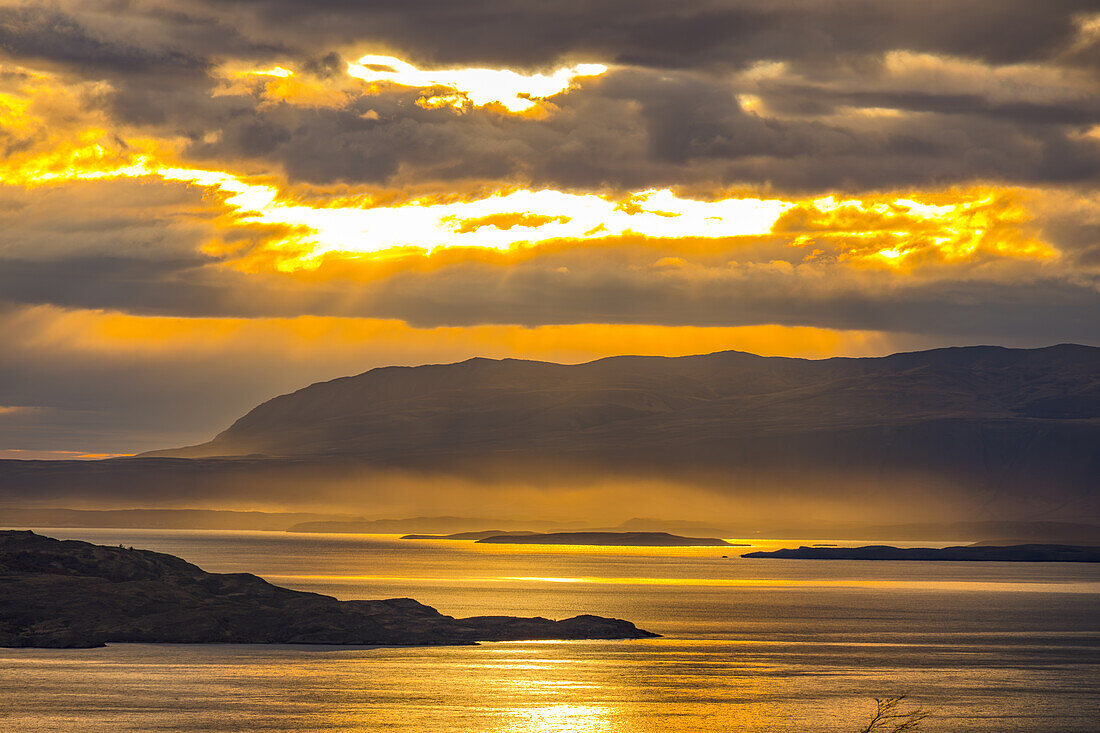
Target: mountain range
{"x": 709, "y": 405}
{"x": 990, "y": 432}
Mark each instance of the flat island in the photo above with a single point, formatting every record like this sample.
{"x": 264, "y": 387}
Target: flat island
{"x": 479, "y": 535}
{"x": 1013, "y": 553}
{"x": 69, "y": 594}
{"x": 618, "y": 539}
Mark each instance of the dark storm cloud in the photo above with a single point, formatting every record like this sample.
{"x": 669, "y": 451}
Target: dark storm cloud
{"x": 673, "y": 35}
{"x": 186, "y": 287}
{"x": 610, "y": 292}
{"x": 1080, "y": 112}
{"x": 695, "y": 117}
{"x": 323, "y": 145}
{"x": 930, "y": 152}
{"x": 45, "y": 33}
{"x": 613, "y": 285}
{"x": 125, "y": 38}
{"x": 109, "y": 282}
{"x": 670, "y": 115}
{"x": 634, "y": 129}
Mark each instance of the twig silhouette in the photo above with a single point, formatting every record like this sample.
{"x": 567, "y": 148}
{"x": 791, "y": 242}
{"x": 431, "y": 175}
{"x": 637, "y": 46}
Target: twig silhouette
{"x": 889, "y": 716}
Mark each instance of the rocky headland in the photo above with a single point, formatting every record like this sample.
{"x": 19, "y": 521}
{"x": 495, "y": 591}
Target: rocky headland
{"x": 72, "y": 594}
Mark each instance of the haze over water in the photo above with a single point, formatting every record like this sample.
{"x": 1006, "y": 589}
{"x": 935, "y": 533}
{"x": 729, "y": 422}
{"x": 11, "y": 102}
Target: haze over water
{"x": 748, "y": 645}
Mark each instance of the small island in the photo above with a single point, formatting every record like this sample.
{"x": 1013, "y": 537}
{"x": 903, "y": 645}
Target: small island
{"x": 479, "y": 535}
{"x": 70, "y": 594}
{"x": 614, "y": 539}
{"x": 1013, "y": 553}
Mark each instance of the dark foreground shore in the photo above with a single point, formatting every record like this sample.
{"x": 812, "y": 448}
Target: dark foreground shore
{"x": 70, "y": 594}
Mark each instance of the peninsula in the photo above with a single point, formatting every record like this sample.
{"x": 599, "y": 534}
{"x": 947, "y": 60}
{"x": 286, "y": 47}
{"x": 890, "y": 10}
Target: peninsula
{"x": 70, "y": 594}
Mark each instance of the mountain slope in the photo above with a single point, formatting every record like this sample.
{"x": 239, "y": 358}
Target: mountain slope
{"x": 976, "y": 433}
{"x": 989, "y": 426}
{"x": 686, "y": 401}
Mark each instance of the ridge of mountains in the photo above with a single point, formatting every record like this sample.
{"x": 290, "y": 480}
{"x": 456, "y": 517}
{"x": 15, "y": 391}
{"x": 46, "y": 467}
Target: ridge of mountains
{"x": 956, "y": 434}
{"x": 690, "y": 402}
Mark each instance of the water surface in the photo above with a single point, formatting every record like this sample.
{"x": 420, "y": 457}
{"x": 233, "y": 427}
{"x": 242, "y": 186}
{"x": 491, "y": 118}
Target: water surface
{"x": 749, "y": 645}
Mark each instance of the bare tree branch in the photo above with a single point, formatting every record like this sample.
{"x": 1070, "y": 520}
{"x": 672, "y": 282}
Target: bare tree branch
{"x": 890, "y": 716}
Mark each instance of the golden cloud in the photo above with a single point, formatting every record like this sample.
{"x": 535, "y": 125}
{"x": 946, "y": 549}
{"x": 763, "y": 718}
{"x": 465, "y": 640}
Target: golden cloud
{"x": 56, "y": 137}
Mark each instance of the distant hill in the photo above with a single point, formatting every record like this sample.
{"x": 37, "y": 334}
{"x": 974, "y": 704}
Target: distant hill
{"x": 1012, "y": 553}
{"x": 707, "y": 404}
{"x": 973, "y": 433}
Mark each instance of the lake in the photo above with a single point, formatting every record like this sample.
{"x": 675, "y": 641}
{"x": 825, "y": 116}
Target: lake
{"x": 748, "y": 645}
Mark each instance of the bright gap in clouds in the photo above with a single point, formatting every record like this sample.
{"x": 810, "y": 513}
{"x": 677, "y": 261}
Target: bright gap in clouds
{"x": 507, "y": 219}
{"x": 499, "y": 221}
{"x": 899, "y": 231}
{"x": 882, "y": 230}
{"x": 511, "y": 90}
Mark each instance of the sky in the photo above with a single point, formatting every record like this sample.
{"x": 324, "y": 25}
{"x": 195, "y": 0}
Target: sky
{"x": 204, "y": 203}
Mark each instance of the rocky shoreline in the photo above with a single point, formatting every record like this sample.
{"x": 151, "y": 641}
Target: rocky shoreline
{"x": 70, "y": 594}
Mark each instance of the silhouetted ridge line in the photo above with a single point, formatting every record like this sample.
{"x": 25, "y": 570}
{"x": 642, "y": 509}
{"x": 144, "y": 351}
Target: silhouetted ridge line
{"x": 979, "y": 432}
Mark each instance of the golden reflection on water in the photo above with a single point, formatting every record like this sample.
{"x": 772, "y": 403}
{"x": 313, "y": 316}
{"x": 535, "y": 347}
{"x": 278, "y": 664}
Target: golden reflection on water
{"x": 778, "y": 646}
{"x": 782, "y": 583}
{"x": 564, "y": 718}
{"x": 945, "y": 585}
